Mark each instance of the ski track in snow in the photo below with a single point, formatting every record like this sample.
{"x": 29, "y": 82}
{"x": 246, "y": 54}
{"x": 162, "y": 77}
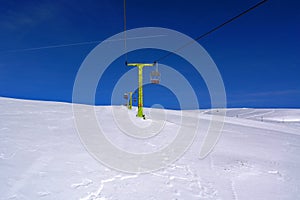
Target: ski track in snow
{"x": 97, "y": 195}
{"x": 235, "y": 196}
{"x": 259, "y": 115}
{"x": 84, "y": 183}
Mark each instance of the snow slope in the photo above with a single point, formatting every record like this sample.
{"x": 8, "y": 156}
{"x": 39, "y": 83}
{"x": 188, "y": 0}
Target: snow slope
{"x": 41, "y": 157}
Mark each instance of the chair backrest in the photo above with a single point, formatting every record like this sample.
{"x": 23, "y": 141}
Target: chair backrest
{"x": 155, "y": 73}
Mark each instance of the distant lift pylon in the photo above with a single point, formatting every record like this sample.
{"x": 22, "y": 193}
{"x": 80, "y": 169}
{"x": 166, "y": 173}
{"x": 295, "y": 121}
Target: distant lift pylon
{"x": 128, "y": 100}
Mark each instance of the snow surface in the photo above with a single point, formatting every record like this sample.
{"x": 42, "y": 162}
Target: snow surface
{"x": 41, "y": 157}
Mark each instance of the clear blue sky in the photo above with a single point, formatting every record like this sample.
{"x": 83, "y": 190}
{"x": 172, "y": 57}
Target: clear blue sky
{"x": 258, "y": 55}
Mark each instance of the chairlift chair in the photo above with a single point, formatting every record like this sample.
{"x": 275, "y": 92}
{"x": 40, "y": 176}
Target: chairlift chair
{"x": 155, "y": 76}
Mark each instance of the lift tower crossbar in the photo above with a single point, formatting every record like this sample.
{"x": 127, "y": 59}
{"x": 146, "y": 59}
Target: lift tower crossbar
{"x": 140, "y": 67}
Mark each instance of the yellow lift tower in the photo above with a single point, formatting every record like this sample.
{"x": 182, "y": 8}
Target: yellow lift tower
{"x": 130, "y": 101}
{"x": 140, "y": 67}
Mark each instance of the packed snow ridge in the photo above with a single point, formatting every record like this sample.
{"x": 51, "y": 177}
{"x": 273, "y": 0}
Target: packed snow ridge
{"x": 42, "y": 157}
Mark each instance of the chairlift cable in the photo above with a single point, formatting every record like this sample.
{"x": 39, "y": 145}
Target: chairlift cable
{"x": 212, "y": 30}
{"x": 125, "y": 37}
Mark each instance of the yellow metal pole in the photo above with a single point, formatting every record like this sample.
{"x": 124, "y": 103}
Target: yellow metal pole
{"x": 140, "y": 75}
{"x": 130, "y": 101}
{"x": 140, "y": 102}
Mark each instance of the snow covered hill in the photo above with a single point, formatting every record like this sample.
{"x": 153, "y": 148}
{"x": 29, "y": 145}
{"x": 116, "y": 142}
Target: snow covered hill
{"x": 42, "y": 157}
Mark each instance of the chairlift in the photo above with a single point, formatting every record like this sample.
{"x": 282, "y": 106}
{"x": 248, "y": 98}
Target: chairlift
{"x": 125, "y": 96}
{"x": 155, "y": 76}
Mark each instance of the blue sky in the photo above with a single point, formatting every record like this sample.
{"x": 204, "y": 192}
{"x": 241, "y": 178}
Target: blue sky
{"x": 257, "y": 55}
